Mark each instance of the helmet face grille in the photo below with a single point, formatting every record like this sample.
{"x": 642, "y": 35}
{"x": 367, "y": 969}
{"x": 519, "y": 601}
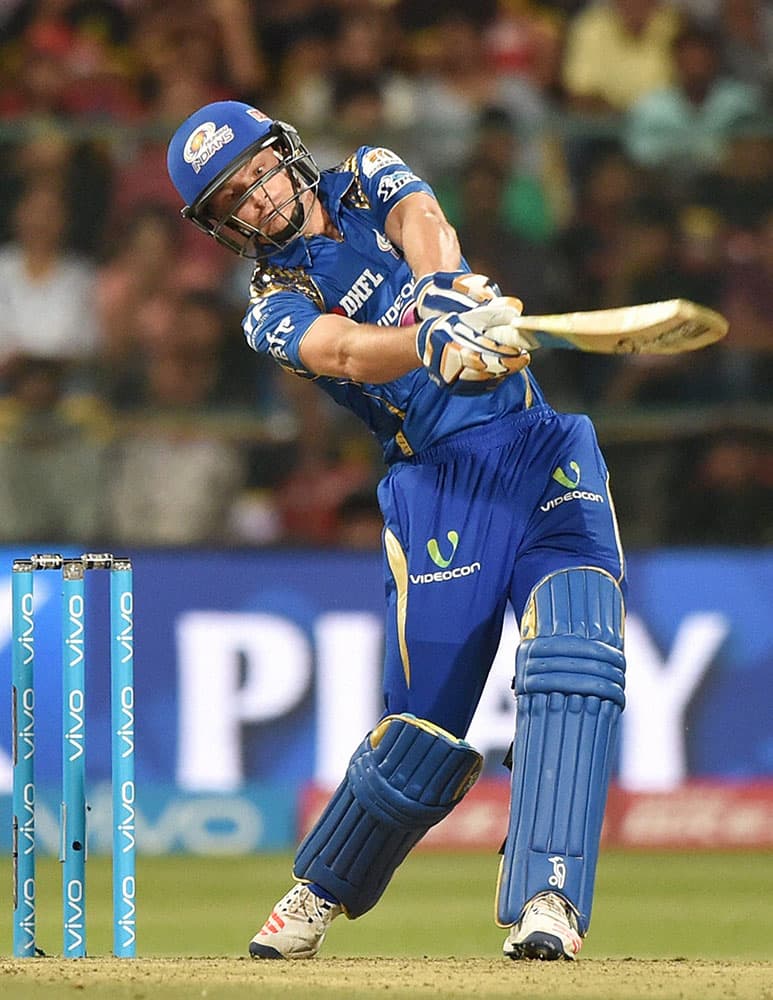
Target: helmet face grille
{"x": 293, "y": 211}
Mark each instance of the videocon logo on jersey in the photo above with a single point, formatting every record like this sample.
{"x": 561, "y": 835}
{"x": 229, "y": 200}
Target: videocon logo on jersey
{"x": 443, "y": 559}
{"x": 570, "y": 483}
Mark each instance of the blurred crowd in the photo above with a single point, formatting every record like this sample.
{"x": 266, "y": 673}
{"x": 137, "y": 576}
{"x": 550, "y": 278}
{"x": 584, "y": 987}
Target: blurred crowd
{"x": 591, "y": 154}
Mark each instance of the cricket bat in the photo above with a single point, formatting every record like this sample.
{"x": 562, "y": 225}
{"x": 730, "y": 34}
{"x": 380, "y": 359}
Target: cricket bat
{"x": 668, "y": 327}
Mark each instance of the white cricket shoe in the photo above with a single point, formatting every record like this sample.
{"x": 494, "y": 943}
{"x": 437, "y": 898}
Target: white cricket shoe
{"x": 546, "y": 931}
{"x": 296, "y": 927}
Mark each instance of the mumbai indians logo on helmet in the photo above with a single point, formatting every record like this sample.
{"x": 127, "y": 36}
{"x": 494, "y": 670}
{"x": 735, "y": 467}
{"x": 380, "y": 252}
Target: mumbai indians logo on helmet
{"x": 206, "y": 140}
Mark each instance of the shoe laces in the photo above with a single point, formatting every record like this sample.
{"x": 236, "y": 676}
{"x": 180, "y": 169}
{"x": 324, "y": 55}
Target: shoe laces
{"x": 557, "y": 908}
{"x": 307, "y": 904}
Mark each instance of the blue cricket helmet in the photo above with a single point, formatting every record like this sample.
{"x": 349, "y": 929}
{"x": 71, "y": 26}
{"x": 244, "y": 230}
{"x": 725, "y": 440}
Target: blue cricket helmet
{"x": 211, "y": 146}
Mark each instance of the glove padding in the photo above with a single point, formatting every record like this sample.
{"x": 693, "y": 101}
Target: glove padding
{"x": 461, "y": 354}
{"x": 452, "y": 292}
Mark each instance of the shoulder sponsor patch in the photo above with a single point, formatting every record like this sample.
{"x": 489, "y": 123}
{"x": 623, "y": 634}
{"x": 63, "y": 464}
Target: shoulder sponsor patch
{"x": 376, "y": 159}
{"x": 389, "y": 186}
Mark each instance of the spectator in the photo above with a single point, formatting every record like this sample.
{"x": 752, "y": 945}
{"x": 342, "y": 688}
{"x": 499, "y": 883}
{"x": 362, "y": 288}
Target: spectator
{"x": 52, "y": 456}
{"x": 669, "y": 254}
{"x": 700, "y": 255}
{"x": 138, "y": 294}
{"x": 329, "y": 463}
{"x": 741, "y": 187}
{"x": 303, "y": 79}
{"x": 365, "y": 48}
{"x": 212, "y": 43}
{"x": 42, "y": 153}
{"x": 185, "y": 57}
{"x": 47, "y": 293}
{"x": 492, "y": 247}
{"x": 176, "y": 478}
{"x": 209, "y": 329}
{"x": 747, "y": 301}
{"x": 511, "y": 259}
{"x": 290, "y": 30}
{"x": 592, "y": 247}
{"x": 672, "y": 254}
{"x": 79, "y": 47}
{"x": 527, "y": 206}
{"x": 37, "y": 90}
{"x": 722, "y": 493}
{"x": 594, "y": 238}
{"x": 80, "y": 168}
{"x": 135, "y": 290}
{"x": 358, "y": 110}
{"x": 526, "y": 39}
{"x": 617, "y": 51}
{"x": 686, "y": 127}
{"x": 242, "y": 56}
{"x": 745, "y": 28}
{"x": 343, "y": 72}
{"x": 454, "y": 89}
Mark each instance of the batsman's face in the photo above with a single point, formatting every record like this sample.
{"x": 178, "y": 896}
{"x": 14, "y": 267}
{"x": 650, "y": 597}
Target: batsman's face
{"x": 260, "y": 195}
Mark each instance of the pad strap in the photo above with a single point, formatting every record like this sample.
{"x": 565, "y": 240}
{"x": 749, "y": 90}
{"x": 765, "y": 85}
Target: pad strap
{"x": 569, "y": 683}
{"x": 405, "y": 777}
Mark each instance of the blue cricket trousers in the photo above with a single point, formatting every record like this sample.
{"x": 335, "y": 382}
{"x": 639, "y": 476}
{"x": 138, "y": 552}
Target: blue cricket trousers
{"x": 471, "y": 524}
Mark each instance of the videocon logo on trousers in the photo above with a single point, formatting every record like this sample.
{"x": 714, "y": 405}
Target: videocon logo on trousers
{"x": 434, "y": 549}
{"x": 443, "y": 562}
{"x": 571, "y": 487}
{"x": 561, "y": 477}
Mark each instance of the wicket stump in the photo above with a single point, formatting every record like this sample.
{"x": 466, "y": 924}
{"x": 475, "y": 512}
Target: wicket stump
{"x": 73, "y": 851}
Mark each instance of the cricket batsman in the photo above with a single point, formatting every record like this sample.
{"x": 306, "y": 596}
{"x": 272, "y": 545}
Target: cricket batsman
{"x": 490, "y": 498}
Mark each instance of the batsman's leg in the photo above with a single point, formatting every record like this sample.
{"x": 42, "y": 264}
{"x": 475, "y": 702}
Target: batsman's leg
{"x": 405, "y": 777}
{"x": 569, "y": 686}
{"x": 442, "y": 633}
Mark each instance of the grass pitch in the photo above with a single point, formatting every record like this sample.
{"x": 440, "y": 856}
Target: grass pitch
{"x": 665, "y": 926}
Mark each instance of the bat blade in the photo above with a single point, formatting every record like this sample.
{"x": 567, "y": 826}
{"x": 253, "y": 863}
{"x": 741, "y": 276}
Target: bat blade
{"x": 668, "y": 327}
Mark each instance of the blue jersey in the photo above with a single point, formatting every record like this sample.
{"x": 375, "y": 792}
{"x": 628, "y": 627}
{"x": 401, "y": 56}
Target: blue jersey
{"x": 365, "y": 277}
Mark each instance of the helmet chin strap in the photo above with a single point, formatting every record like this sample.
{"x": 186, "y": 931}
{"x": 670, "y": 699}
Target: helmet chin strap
{"x": 295, "y": 225}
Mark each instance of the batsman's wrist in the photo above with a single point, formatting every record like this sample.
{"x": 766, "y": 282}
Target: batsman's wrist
{"x": 422, "y": 334}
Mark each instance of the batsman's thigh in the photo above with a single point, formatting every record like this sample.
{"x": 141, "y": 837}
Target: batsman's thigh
{"x": 447, "y": 590}
{"x": 573, "y": 521}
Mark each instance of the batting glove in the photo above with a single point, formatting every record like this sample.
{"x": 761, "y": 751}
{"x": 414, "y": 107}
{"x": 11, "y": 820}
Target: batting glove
{"x": 453, "y": 292}
{"x": 461, "y": 356}
{"x": 507, "y": 334}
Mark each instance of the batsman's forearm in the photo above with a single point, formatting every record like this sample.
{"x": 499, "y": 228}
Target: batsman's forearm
{"x": 379, "y": 354}
{"x": 431, "y": 247}
{"x": 363, "y": 352}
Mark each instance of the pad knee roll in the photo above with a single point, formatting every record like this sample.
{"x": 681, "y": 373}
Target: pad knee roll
{"x": 405, "y": 777}
{"x": 569, "y": 683}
